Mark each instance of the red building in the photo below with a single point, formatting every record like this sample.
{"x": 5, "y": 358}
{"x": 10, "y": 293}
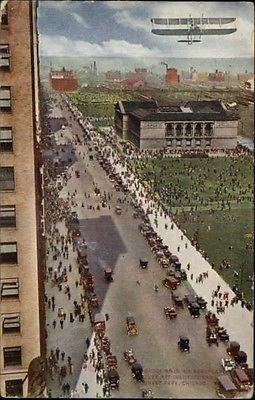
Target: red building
{"x": 172, "y": 76}
{"x": 216, "y": 76}
{"x": 63, "y": 81}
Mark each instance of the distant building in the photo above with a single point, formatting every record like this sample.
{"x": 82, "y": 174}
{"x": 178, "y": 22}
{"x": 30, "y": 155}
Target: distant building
{"x": 216, "y": 76}
{"x": 171, "y": 76}
{"x": 63, "y": 81}
{"x": 196, "y": 125}
{"x": 113, "y": 75}
{"x": 245, "y": 77}
{"x": 132, "y": 83}
{"x": 141, "y": 73}
{"x": 249, "y": 85}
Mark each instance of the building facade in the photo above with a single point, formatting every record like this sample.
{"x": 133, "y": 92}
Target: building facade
{"x": 172, "y": 76}
{"x": 63, "y": 81}
{"x": 196, "y": 125}
{"x": 22, "y": 243}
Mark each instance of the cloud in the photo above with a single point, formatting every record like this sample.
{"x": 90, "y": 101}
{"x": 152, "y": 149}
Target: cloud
{"x": 63, "y": 46}
{"x": 79, "y": 19}
{"x": 125, "y": 18}
{"x": 119, "y": 5}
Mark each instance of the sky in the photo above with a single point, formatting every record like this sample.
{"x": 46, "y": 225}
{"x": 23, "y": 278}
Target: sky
{"x": 123, "y": 29}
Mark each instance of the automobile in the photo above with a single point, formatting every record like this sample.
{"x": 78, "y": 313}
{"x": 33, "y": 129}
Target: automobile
{"x": 113, "y": 378}
{"x": 108, "y": 274}
{"x": 194, "y": 310}
{"x": 170, "y": 312}
{"x": 77, "y": 174}
{"x": 131, "y": 326}
{"x": 201, "y": 302}
{"x": 143, "y": 263}
{"x": 211, "y": 319}
{"x": 240, "y": 379}
{"x": 183, "y": 343}
{"x": 211, "y": 336}
{"x": 99, "y": 324}
{"x": 170, "y": 282}
{"x": 227, "y": 364}
{"x": 137, "y": 372}
{"x": 226, "y": 388}
{"x": 222, "y": 334}
{"x": 178, "y": 300}
{"x": 118, "y": 210}
{"x": 233, "y": 348}
{"x": 129, "y": 356}
{"x": 111, "y": 362}
{"x": 190, "y": 298}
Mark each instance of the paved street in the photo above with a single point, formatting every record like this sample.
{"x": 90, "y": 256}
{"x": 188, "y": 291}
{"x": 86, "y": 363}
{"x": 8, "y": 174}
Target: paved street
{"x": 115, "y": 241}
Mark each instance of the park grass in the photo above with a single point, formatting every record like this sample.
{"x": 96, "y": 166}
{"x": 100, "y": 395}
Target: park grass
{"x": 196, "y": 183}
{"x": 227, "y": 237}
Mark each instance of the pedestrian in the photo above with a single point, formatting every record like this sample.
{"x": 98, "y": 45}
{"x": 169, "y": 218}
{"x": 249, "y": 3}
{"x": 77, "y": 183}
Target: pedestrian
{"x": 188, "y": 266}
{"x": 69, "y": 360}
{"x": 87, "y": 342}
{"x": 76, "y": 283}
{"x": 212, "y": 303}
{"x": 181, "y": 237}
{"x": 57, "y": 353}
{"x": 54, "y": 323}
{"x": 186, "y": 245}
{"x": 70, "y": 267}
{"x": 64, "y": 388}
{"x": 191, "y": 276}
{"x": 107, "y": 317}
{"x": 61, "y": 323}
{"x": 62, "y": 355}
{"x": 49, "y": 303}
{"x": 156, "y": 288}
{"x": 71, "y": 368}
{"x": 220, "y": 294}
{"x": 69, "y": 295}
{"x": 218, "y": 288}
{"x": 226, "y": 303}
{"x": 53, "y": 299}
{"x": 53, "y": 306}
{"x": 68, "y": 388}
{"x": 86, "y": 387}
{"x": 138, "y": 283}
{"x": 178, "y": 249}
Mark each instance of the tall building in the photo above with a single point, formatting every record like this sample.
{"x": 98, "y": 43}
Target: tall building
{"x": 63, "y": 81}
{"x": 22, "y": 303}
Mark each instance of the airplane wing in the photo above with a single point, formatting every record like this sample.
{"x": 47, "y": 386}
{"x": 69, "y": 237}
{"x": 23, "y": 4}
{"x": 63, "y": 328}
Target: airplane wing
{"x": 180, "y": 32}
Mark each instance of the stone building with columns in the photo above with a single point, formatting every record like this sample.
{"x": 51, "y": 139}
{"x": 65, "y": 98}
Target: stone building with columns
{"x": 195, "y": 125}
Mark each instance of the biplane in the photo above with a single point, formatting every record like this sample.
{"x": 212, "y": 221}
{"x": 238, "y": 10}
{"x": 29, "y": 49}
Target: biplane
{"x": 192, "y": 28}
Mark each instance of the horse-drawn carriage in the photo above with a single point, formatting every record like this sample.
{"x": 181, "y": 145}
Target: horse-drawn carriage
{"x": 131, "y": 326}
{"x": 170, "y": 312}
{"x": 240, "y": 379}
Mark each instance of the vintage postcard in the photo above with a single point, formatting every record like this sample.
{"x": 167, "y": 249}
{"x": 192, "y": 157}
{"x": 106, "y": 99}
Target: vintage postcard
{"x": 126, "y": 199}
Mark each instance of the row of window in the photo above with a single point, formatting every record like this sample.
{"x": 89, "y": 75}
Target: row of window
{"x": 11, "y": 323}
{"x": 187, "y": 142}
{"x": 8, "y": 253}
{"x": 7, "y": 216}
{"x": 9, "y": 287}
{"x": 6, "y": 139}
{"x": 5, "y": 98}
{"x": 7, "y": 178}
{"x": 4, "y": 57}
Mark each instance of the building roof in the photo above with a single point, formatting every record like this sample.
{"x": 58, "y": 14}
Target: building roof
{"x": 129, "y": 106}
{"x": 205, "y": 106}
{"x": 144, "y": 115}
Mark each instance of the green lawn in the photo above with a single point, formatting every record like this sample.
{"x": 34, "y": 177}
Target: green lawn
{"x": 224, "y": 235}
{"x": 217, "y": 193}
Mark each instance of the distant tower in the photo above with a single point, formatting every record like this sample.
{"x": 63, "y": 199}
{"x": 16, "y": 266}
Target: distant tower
{"x": 95, "y": 67}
